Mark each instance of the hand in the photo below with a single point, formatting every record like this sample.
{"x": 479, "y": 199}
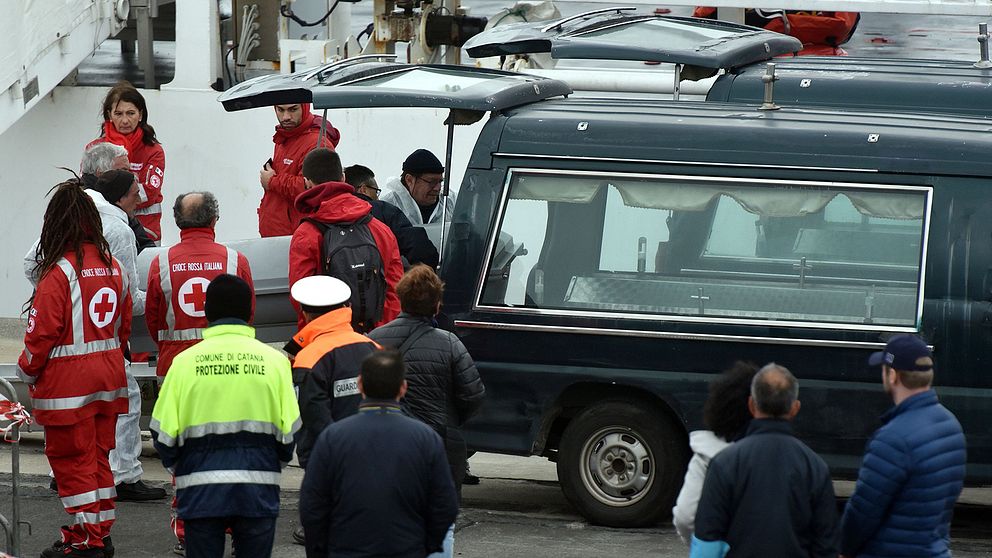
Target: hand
{"x": 265, "y": 175}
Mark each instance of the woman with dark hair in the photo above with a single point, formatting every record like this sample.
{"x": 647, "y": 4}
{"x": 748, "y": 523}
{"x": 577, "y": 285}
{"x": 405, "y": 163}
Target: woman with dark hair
{"x": 79, "y": 320}
{"x": 726, "y": 415}
{"x": 125, "y": 123}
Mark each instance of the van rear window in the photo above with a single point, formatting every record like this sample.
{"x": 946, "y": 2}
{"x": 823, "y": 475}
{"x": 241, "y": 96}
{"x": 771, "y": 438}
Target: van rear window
{"x": 710, "y": 249}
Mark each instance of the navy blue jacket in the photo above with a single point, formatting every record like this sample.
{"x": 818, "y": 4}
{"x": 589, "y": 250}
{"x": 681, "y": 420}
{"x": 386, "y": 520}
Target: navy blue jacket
{"x": 377, "y": 484}
{"x": 911, "y": 476}
{"x": 769, "y": 496}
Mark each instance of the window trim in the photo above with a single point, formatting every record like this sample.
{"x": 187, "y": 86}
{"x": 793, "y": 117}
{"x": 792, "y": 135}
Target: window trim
{"x": 927, "y": 191}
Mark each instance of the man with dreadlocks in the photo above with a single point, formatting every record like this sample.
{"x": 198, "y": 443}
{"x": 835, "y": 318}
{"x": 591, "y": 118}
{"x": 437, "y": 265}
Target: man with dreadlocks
{"x": 79, "y": 321}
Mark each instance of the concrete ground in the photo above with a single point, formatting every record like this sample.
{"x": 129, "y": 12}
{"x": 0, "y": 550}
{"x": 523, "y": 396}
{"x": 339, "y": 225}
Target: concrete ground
{"x": 517, "y": 510}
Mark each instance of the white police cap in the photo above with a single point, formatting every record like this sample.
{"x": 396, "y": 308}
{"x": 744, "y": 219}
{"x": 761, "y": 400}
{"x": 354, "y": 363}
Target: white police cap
{"x": 320, "y": 290}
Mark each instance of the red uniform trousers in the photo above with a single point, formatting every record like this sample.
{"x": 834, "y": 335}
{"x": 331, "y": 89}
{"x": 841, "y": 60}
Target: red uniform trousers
{"x": 78, "y": 456}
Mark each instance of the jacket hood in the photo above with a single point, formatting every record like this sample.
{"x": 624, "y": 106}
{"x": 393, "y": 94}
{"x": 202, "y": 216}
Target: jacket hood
{"x": 332, "y": 202}
{"x": 706, "y": 443}
{"x": 105, "y": 207}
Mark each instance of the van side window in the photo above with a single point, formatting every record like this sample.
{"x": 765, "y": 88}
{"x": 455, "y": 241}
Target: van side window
{"x": 700, "y": 249}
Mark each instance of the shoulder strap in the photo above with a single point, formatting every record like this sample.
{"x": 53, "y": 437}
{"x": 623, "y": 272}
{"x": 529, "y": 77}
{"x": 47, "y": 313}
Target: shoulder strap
{"x": 417, "y": 333}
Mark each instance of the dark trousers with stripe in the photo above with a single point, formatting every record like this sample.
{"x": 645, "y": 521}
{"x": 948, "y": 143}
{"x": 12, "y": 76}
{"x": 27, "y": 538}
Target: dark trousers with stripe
{"x": 253, "y": 536}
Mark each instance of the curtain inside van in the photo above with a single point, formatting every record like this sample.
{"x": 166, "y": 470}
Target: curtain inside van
{"x": 774, "y": 201}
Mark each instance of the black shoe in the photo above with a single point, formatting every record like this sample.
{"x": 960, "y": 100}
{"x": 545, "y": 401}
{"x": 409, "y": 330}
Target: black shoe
{"x": 53, "y": 485}
{"x": 58, "y": 550}
{"x": 138, "y": 491}
{"x": 179, "y": 549}
{"x": 298, "y": 536}
{"x": 470, "y": 479}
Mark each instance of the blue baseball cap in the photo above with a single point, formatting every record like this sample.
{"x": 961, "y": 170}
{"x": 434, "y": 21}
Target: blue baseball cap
{"x": 902, "y": 353}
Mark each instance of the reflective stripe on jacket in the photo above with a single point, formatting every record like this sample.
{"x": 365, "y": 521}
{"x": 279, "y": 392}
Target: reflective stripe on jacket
{"x": 174, "y": 310}
{"x": 79, "y": 321}
{"x": 224, "y": 423}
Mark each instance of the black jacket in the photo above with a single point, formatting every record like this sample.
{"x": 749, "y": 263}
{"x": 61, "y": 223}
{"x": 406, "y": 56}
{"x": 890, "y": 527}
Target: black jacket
{"x": 414, "y": 244}
{"x": 444, "y": 388}
{"x": 377, "y": 485}
{"x": 769, "y": 495}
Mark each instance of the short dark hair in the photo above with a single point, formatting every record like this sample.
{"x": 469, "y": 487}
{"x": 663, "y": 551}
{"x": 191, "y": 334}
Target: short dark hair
{"x": 358, "y": 175}
{"x": 228, "y": 296}
{"x": 774, "y": 390}
{"x": 383, "y": 373}
{"x": 196, "y": 214}
{"x": 420, "y": 290}
{"x": 322, "y": 165}
{"x": 725, "y": 411}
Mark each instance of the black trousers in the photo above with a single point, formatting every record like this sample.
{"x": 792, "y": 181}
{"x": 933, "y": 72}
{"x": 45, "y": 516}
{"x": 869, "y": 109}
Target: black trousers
{"x": 253, "y": 536}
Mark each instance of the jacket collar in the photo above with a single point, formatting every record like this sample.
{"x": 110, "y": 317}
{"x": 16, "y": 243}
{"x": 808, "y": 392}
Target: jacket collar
{"x": 196, "y": 233}
{"x": 769, "y": 426}
{"x": 333, "y": 321}
{"x": 228, "y": 327}
{"x": 379, "y": 406}
{"x": 917, "y": 401}
{"x": 105, "y": 207}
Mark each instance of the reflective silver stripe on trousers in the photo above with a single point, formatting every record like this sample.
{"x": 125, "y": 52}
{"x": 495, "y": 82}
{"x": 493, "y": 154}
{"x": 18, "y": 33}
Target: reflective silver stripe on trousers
{"x": 152, "y": 209}
{"x": 252, "y": 426}
{"x": 85, "y": 348}
{"x": 192, "y": 334}
{"x": 88, "y": 497}
{"x": 94, "y": 518}
{"x": 65, "y": 403}
{"x": 227, "y": 477}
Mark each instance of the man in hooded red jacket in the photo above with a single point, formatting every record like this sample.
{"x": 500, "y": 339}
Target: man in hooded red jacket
{"x": 329, "y": 199}
{"x": 282, "y": 176}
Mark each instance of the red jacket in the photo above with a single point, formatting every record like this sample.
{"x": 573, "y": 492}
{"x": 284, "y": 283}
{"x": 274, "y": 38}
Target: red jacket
{"x": 175, "y": 324}
{"x": 277, "y": 215}
{"x": 335, "y": 202}
{"x": 79, "y": 321}
{"x": 148, "y": 164}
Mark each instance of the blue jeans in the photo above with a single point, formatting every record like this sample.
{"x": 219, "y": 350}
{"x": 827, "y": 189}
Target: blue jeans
{"x": 253, "y": 536}
{"x": 449, "y": 545}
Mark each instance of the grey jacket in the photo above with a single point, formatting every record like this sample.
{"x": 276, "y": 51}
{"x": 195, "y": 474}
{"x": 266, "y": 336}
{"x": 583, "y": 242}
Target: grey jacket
{"x": 444, "y": 388}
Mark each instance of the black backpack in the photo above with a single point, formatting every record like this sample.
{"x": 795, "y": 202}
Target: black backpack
{"x": 349, "y": 253}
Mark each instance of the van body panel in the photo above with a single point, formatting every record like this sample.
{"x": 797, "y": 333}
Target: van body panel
{"x": 529, "y": 356}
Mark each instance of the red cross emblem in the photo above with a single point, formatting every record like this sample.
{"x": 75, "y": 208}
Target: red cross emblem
{"x": 193, "y": 297}
{"x": 103, "y": 306}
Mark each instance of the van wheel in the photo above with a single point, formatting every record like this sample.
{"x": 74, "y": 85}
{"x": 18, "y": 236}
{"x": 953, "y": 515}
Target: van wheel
{"x": 621, "y": 463}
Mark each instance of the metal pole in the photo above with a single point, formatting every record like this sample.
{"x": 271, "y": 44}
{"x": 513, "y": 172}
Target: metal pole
{"x": 14, "y": 536}
{"x": 983, "y": 44}
{"x": 447, "y": 180}
{"x": 323, "y": 128}
{"x": 677, "y": 86}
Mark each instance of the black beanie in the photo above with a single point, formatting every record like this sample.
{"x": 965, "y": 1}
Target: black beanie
{"x": 114, "y": 184}
{"x": 421, "y": 161}
{"x": 228, "y": 296}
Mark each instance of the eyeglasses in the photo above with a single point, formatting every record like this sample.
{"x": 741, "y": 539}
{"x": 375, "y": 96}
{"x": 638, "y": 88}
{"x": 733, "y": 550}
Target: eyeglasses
{"x": 432, "y": 183}
{"x": 373, "y": 188}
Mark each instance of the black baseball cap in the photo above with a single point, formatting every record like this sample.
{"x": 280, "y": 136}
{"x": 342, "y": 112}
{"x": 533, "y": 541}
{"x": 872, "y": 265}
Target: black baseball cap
{"x": 902, "y": 353}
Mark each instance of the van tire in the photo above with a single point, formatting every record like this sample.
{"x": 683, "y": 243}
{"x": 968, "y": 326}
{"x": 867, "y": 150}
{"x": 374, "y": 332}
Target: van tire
{"x": 621, "y": 463}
